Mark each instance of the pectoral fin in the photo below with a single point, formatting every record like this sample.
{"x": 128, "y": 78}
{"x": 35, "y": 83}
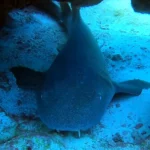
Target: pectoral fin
{"x": 131, "y": 87}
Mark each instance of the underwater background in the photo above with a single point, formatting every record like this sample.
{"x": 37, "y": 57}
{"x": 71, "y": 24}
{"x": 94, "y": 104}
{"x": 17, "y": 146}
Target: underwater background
{"x": 34, "y": 42}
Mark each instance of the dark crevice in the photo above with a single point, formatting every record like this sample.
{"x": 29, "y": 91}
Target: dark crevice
{"x": 27, "y": 78}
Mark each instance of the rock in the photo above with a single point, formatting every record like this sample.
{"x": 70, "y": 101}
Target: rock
{"x": 138, "y": 139}
{"x": 32, "y": 44}
{"x": 4, "y": 82}
{"x": 14, "y": 100}
{"x": 117, "y": 138}
{"x": 139, "y": 125}
{"x": 142, "y": 6}
{"x": 34, "y": 142}
{"x": 7, "y": 127}
{"x": 116, "y": 57}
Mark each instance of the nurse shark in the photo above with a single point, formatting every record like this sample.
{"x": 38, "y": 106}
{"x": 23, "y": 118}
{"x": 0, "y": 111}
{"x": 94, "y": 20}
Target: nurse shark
{"x": 77, "y": 87}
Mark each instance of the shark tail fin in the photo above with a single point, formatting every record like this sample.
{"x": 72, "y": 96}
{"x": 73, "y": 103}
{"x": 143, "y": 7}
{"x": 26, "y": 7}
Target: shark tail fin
{"x": 131, "y": 87}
